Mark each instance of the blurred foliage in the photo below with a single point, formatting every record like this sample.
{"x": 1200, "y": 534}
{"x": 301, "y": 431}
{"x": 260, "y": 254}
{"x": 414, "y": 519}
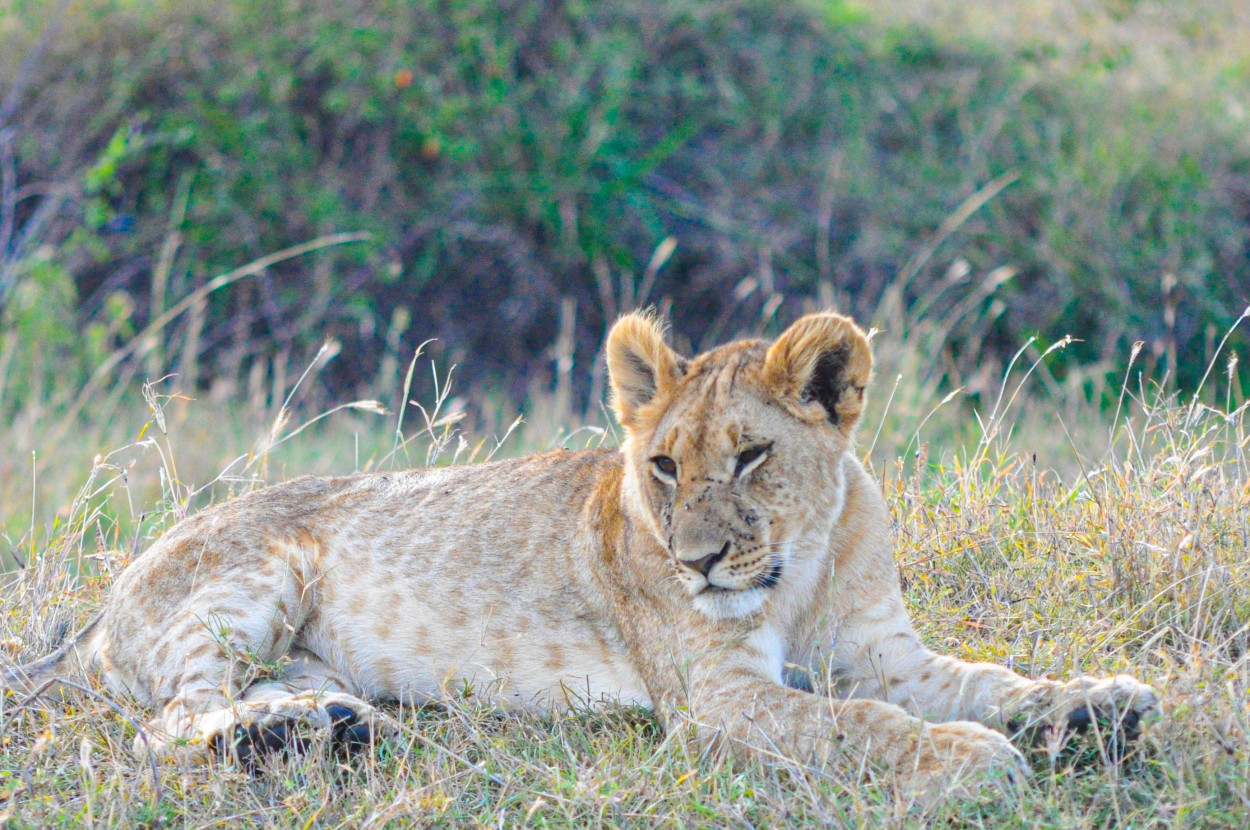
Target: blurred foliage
{"x": 508, "y": 156}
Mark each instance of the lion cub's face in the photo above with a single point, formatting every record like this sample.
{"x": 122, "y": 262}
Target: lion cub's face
{"x": 733, "y": 458}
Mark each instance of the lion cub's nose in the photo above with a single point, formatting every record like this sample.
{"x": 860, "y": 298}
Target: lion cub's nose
{"x": 704, "y": 564}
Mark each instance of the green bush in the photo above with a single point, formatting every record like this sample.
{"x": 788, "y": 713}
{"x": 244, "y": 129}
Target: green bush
{"x": 507, "y": 156}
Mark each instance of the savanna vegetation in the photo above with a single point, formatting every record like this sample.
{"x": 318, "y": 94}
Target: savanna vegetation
{"x": 227, "y": 229}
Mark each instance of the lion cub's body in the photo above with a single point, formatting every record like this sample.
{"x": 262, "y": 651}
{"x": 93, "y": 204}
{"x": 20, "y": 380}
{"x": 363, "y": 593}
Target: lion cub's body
{"x": 406, "y": 585}
{"x": 732, "y": 543}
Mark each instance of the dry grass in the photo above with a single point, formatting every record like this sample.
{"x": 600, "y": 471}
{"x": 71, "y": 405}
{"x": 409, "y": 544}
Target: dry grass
{"x": 1135, "y": 561}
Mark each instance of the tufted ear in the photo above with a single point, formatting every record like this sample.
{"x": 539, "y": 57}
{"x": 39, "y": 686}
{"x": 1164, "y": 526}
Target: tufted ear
{"x": 823, "y": 359}
{"x": 640, "y": 365}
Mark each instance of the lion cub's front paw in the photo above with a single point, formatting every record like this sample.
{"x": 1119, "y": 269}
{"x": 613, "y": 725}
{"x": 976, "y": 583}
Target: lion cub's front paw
{"x": 1114, "y": 707}
{"x": 960, "y": 759}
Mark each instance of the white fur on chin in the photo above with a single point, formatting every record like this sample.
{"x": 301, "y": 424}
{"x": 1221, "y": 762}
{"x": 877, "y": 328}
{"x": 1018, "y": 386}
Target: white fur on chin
{"x": 727, "y": 605}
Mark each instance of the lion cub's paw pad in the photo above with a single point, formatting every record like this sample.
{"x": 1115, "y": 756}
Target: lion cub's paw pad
{"x": 351, "y": 732}
{"x": 253, "y": 743}
{"x": 1115, "y": 707}
{"x": 287, "y": 726}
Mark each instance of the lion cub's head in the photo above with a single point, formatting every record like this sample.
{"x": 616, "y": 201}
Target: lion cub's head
{"x": 733, "y": 458}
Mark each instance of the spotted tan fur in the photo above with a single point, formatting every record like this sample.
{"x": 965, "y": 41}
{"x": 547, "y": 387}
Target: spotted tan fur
{"x": 732, "y": 544}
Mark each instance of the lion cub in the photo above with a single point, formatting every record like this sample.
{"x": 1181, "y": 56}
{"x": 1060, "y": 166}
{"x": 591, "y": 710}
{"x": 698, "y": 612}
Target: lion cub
{"x": 731, "y": 546}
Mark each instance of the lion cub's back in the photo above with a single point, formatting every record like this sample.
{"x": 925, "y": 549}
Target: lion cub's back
{"x": 461, "y": 512}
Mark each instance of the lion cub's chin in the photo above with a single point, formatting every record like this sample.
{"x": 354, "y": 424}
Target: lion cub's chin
{"x": 720, "y": 604}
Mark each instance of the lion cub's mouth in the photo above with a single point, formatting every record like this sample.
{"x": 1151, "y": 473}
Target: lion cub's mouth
{"x": 746, "y": 594}
{"x": 769, "y": 579}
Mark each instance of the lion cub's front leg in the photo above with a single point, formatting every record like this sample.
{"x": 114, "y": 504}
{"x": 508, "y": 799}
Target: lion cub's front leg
{"x": 884, "y": 659}
{"x": 733, "y": 702}
{"x": 874, "y": 652}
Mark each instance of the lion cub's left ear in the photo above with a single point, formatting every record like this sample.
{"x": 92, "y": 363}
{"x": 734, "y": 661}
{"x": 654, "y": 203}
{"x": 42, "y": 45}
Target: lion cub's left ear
{"x": 823, "y": 359}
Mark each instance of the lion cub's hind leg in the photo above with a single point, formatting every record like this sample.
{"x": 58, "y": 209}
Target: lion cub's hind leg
{"x": 220, "y": 661}
{"x": 283, "y": 714}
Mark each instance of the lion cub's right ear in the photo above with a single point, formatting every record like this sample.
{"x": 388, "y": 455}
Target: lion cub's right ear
{"x": 641, "y": 366}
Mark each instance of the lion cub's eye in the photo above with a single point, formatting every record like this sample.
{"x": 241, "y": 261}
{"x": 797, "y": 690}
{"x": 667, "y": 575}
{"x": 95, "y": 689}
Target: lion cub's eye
{"x": 750, "y": 458}
{"x": 664, "y": 467}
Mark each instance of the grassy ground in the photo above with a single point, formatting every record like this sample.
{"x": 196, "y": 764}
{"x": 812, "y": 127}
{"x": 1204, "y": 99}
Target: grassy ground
{"x": 1132, "y": 560}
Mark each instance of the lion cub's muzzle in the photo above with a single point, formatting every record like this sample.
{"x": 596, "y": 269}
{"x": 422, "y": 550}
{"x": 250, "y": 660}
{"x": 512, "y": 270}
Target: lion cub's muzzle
{"x": 727, "y": 569}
